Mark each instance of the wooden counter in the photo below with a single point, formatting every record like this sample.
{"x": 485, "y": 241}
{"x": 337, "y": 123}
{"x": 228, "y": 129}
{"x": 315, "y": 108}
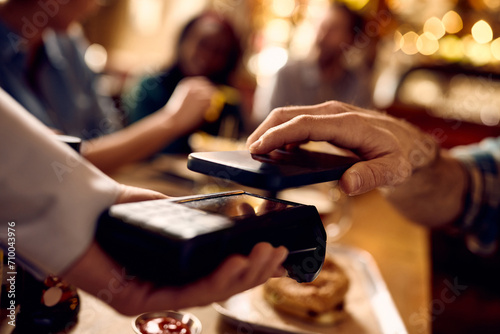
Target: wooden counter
{"x": 400, "y": 249}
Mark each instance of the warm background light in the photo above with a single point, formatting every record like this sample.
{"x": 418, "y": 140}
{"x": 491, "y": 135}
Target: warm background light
{"x": 451, "y": 48}
{"x": 478, "y": 53}
{"x": 356, "y": 4}
{"x": 495, "y": 48}
{"x": 283, "y": 8}
{"x": 409, "y": 43}
{"x": 96, "y": 57}
{"x": 435, "y": 27}
{"x": 398, "y": 36}
{"x": 277, "y": 31}
{"x": 268, "y": 61}
{"x": 482, "y": 32}
{"x": 452, "y": 22}
{"x": 492, "y": 4}
{"x": 427, "y": 44}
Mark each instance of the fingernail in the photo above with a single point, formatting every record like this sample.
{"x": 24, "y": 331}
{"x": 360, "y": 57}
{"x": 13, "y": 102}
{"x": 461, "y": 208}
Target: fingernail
{"x": 255, "y": 145}
{"x": 355, "y": 182}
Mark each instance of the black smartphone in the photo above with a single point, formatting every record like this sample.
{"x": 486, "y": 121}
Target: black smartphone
{"x": 177, "y": 241}
{"x": 274, "y": 171}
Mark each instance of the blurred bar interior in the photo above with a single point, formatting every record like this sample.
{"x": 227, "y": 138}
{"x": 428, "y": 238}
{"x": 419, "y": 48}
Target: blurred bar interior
{"x": 435, "y": 63}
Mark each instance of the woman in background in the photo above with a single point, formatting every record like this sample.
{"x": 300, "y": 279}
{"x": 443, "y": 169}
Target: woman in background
{"x": 42, "y": 66}
{"x": 207, "y": 47}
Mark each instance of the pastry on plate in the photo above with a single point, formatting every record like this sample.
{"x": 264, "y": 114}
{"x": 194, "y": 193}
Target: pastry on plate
{"x": 319, "y": 302}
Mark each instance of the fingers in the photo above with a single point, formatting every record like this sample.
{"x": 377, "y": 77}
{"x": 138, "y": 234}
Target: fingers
{"x": 265, "y": 261}
{"x": 368, "y": 175}
{"x": 282, "y": 115}
{"x": 383, "y": 143}
{"x": 342, "y": 130}
{"x": 240, "y": 273}
{"x": 236, "y": 274}
{"x": 134, "y": 194}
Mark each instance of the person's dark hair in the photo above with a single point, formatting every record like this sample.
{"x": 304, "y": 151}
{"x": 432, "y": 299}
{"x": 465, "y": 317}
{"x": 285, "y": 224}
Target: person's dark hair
{"x": 356, "y": 19}
{"x": 235, "y": 50}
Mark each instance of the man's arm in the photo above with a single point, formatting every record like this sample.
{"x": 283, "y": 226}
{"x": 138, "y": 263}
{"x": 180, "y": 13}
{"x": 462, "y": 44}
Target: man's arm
{"x": 434, "y": 195}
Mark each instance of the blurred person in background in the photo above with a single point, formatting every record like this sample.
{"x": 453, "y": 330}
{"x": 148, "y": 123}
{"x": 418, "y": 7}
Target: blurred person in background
{"x": 326, "y": 74}
{"x": 207, "y": 47}
{"x": 43, "y": 68}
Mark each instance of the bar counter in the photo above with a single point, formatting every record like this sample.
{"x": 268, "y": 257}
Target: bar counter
{"x": 399, "y": 248}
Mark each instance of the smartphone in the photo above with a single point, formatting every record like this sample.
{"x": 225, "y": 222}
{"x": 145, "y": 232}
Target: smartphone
{"x": 275, "y": 171}
{"x": 178, "y": 241}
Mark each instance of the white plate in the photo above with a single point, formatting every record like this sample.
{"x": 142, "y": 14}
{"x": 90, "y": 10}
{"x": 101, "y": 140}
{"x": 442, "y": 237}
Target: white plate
{"x": 368, "y": 303}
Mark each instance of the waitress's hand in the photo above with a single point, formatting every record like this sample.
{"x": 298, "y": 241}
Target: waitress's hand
{"x": 99, "y": 275}
{"x": 96, "y": 273}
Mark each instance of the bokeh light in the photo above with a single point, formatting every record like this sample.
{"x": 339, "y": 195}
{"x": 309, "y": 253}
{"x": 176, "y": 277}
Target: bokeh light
{"x": 277, "y": 31}
{"x": 408, "y": 43}
{"x": 478, "y": 53}
{"x": 452, "y": 22}
{"x": 482, "y": 32}
{"x": 356, "y": 4}
{"x": 96, "y": 57}
{"x": 398, "y": 36}
{"x": 451, "y": 48}
{"x": 495, "y": 48}
{"x": 283, "y": 8}
{"x": 427, "y": 44}
{"x": 268, "y": 61}
{"x": 435, "y": 27}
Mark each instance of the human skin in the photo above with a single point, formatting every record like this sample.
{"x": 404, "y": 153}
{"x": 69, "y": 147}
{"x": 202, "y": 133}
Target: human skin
{"x": 424, "y": 182}
{"x": 96, "y": 272}
{"x": 183, "y": 113}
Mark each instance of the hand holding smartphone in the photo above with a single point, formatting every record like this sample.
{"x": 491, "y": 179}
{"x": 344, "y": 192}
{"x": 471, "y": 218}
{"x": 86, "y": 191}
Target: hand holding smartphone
{"x": 277, "y": 170}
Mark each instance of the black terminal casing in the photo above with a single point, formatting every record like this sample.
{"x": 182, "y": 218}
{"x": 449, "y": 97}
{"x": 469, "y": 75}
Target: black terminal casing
{"x": 164, "y": 259}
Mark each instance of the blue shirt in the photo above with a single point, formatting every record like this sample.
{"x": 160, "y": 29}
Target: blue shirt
{"x": 481, "y": 217}
{"x": 57, "y": 87}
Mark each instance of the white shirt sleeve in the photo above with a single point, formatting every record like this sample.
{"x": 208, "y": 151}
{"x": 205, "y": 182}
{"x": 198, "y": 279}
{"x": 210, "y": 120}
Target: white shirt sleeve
{"x": 49, "y": 194}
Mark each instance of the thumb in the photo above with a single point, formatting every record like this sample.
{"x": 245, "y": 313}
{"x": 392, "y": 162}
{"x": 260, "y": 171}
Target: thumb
{"x": 368, "y": 175}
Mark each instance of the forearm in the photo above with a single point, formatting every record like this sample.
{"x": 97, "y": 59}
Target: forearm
{"x": 134, "y": 143}
{"x": 434, "y": 195}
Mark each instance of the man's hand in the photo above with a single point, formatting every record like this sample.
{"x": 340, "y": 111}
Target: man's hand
{"x": 391, "y": 149}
